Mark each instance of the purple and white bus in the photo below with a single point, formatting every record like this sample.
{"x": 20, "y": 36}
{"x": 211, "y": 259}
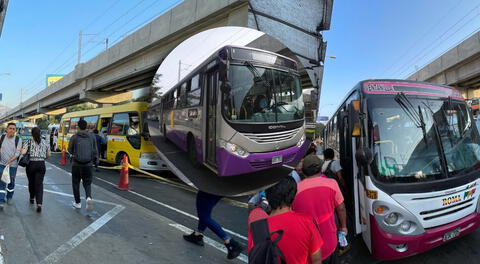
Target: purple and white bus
{"x": 238, "y": 112}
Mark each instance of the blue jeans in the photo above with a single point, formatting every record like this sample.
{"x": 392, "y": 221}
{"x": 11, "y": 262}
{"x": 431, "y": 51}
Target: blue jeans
{"x": 10, "y": 188}
{"x": 205, "y": 203}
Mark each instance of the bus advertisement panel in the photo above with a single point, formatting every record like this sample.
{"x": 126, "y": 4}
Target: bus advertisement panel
{"x": 240, "y": 111}
{"x": 411, "y": 157}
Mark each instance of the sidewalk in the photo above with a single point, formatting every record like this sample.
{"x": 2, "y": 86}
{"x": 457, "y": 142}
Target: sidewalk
{"x": 116, "y": 231}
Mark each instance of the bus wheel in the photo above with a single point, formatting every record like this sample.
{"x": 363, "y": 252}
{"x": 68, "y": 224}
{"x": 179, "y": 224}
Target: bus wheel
{"x": 119, "y": 158}
{"x": 192, "y": 152}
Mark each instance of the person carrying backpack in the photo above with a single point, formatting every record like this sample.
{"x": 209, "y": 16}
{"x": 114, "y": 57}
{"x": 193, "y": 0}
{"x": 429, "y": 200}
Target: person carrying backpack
{"x": 285, "y": 236}
{"x": 333, "y": 170}
{"x": 10, "y": 147}
{"x": 83, "y": 149}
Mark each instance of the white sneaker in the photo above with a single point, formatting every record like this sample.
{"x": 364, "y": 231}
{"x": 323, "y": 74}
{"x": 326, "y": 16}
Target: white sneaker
{"x": 76, "y": 205}
{"x": 89, "y": 204}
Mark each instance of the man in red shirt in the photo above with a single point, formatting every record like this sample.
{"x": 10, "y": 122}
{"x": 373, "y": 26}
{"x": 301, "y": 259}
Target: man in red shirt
{"x": 301, "y": 241}
{"x": 321, "y": 197}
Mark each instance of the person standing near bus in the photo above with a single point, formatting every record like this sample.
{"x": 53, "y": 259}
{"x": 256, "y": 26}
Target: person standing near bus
{"x": 101, "y": 143}
{"x": 10, "y": 147}
{"x": 83, "y": 148}
{"x": 205, "y": 203}
{"x": 39, "y": 150}
{"x": 321, "y": 197}
{"x": 332, "y": 169}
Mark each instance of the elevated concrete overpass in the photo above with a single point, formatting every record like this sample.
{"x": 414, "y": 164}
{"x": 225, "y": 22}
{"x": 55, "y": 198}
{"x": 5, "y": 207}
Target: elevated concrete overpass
{"x": 131, "y": 63}
{"x": 458, "y": 67}
{"x": 3, "y": 13}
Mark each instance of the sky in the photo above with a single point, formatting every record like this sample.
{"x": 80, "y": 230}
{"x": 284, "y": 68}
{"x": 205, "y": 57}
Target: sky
{"x": 389, "y": 39}
{"x": 194, "y": 50}
{"x": 370, "y": 39}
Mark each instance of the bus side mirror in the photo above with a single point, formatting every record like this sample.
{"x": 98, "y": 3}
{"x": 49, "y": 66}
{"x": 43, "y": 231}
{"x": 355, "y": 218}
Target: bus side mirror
{"x": 363, "y": 156}
{"x": 354, "y": 118}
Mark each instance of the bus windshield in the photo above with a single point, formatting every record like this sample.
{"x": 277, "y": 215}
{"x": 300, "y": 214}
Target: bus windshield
{"x": 432, "y": 139}
{"x": 262, "y": 95}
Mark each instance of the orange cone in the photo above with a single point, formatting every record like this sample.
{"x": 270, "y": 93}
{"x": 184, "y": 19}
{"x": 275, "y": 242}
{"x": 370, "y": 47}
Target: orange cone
{"x": 63, "y": 160}
{"x": 123, "y": 183}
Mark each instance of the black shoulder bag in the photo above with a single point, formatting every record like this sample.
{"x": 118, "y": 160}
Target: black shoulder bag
{"x": 25, "y": 159}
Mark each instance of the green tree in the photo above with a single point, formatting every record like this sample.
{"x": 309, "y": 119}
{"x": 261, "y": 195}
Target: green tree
{"x": 79, "y": 107}
{"x": 319, "y": 127}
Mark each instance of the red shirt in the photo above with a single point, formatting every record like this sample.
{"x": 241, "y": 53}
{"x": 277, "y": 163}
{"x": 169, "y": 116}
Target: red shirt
{"x": 300, "y": 235}
{"x": 318, "y": 196}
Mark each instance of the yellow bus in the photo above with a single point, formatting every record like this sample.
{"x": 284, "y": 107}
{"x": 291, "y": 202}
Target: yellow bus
{"x": 126, "y": 132}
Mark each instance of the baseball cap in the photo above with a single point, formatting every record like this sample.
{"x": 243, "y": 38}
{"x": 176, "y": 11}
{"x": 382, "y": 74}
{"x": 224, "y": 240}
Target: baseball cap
{"x": 311, "y": 165}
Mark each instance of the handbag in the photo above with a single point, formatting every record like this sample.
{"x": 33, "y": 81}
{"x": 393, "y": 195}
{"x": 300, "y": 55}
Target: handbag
{"x": 25, "y": 159}
{"x": 6, "y": 175}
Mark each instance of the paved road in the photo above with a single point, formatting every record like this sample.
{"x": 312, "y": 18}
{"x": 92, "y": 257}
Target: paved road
{"x": 178, "y": 205}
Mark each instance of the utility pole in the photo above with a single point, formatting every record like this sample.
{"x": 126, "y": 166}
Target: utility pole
{"x": 179, "y": 68}
{"x": 80, "y": 43}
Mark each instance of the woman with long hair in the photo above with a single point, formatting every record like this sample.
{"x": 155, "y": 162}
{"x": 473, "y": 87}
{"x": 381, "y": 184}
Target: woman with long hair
{"x": 38, "y": 150}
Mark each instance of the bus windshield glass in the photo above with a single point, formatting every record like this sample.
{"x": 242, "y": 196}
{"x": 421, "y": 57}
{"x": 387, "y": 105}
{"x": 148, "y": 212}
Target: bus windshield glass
{"x": 262, "y": 95}
{"x": 423, "y": 140}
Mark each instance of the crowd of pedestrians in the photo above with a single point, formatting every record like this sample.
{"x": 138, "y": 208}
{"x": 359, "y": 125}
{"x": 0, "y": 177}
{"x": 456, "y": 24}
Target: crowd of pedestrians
{"x": 32, "y": 154}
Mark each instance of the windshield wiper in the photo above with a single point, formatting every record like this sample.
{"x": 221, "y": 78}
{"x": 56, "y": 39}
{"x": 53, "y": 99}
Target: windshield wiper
{"x": 441, "y": 150}
{"x": 409, "y": 109}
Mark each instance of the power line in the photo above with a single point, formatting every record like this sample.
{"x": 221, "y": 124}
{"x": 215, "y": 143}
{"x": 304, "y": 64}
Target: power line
{"x": 406, "y": 65}
{"x": 426, "y": 33}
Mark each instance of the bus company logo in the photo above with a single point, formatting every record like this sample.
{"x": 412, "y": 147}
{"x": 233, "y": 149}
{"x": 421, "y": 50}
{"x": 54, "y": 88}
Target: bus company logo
{"x": 375, "y": 87}
{"x": 276, "y": 127}
{"x": 469, "y": 194}
{"x": 451, "y": 200}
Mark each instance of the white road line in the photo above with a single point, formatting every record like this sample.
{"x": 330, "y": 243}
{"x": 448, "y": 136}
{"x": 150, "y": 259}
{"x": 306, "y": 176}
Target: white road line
{"x": 61, "y": 251}
{"x": 209, "y": 241}
{"x": 2, "y": 260}
{"x": 162, "y": 204}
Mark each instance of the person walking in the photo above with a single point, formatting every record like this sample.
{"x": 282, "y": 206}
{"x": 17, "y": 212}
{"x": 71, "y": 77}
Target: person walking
{"x": 39, "y": 150}
{"x": 101, "y": 142}
{"x": 10, "y": 147}
{"x": 321, "y": 197}
{"x": 301, "y": 241}
{"x": 205, "y": 203}
{"x": 83, "y": 149}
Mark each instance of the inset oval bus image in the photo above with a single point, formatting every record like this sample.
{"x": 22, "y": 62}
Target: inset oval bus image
{"x": 229, "y": 113}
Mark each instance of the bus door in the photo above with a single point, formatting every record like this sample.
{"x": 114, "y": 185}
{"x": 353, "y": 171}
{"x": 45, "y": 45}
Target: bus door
{"x": 104, "y": 127}
{"x": 211, "y": 108}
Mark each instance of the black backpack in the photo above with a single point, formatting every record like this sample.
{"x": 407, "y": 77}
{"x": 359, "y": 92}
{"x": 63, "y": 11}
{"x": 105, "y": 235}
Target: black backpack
{"x": 264, "y": 251}
{"x": 83, "y": 149}
{"x": 329, "y": 172}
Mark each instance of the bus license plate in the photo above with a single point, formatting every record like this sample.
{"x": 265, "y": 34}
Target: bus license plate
{"x": 449, "y": 235}
{"x": 277, "y": 159}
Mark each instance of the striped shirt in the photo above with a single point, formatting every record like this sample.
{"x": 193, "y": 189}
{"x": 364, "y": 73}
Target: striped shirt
{"x": 8, "y": 150}
{"x": 38, "y": 152}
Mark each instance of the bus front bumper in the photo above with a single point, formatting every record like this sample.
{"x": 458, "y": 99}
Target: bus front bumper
{"x": 231, "y": 164}
{"x": 388, "y": 247}
{"x": 152, "y": 164}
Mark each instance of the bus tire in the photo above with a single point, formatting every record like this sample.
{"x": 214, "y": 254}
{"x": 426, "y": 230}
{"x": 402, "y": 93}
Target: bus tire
{"x": 191, "y": 150}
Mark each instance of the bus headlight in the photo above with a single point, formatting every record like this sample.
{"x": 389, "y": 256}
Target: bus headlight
{"x": 391, "y": 218}
{"x": 233, "y": 148}
{"x": 149, "y": 155}
{"x": 301, "y": 141}
{"x": 394, "y": 219}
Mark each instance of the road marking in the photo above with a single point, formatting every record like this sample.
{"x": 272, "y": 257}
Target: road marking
{"x": 209, "y": 241}
{"x": 61, "y": 251}
{"x": 172, "y": 208}
{"x": 2, "y": 260}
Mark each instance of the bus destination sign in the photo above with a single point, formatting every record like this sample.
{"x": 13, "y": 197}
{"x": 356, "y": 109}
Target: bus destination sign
{"x": 409, "y": 88}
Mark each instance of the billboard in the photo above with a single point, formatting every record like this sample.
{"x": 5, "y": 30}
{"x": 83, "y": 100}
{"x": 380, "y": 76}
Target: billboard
{"x": 52, "y": 78}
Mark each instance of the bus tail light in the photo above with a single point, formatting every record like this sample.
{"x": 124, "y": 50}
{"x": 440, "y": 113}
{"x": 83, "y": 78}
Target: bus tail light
{"x": 233, "y": 148}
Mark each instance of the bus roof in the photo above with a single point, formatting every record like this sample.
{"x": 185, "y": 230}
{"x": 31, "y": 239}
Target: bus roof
{"x": 135, "y": 106}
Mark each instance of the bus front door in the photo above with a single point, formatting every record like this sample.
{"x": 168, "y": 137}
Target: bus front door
{"x": 210, "y": 135}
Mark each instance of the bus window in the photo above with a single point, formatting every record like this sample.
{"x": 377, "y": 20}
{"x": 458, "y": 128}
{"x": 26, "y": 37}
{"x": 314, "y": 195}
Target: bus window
{"x": 119, "y": 124}
{"x": 92, "y": 122}
{"x": 194, "y": 93}
{"x": 73, "y": 125}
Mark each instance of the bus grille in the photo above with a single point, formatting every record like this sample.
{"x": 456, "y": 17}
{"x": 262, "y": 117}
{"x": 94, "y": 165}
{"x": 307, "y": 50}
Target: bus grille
{"x": 260, "y": 164}
{"x": 272, "y": 137}
{"x": 432, "y": 214}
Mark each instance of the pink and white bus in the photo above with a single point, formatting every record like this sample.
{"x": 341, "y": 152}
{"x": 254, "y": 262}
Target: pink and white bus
{"x": 411, "y": 157}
